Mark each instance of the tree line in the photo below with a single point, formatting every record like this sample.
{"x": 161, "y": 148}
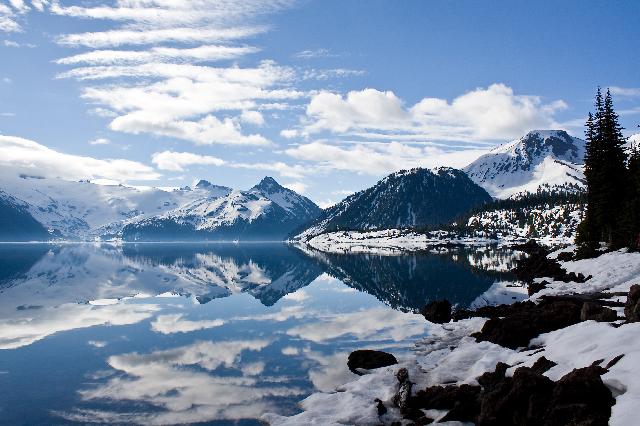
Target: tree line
{"x": 612, "y": 172}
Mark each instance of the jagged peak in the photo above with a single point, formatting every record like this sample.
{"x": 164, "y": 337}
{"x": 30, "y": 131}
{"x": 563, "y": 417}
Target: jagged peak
{"x": 268, "y": 184}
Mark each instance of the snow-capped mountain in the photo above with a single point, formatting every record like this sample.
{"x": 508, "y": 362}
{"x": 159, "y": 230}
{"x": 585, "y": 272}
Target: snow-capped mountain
{"x": 408, "y": 198}
{"x": 78, "y": 209}
{"x": 16, "y": 223}
{"x": 38, "y": 208}
{"x": 267, "y": 211}
{"x": 544, "y": 159}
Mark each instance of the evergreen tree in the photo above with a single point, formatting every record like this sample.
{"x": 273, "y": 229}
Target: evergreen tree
{"x": 606, "y": 174}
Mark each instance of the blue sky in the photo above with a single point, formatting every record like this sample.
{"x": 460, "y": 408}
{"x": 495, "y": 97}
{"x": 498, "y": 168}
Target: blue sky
{"x": 325, "y": 96}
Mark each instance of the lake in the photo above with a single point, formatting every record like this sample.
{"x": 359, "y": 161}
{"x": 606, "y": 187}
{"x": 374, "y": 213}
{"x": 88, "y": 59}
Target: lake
{"x": 209, "y": 333}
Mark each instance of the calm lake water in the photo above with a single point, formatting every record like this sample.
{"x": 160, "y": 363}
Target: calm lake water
{"x": 208, "y": 334}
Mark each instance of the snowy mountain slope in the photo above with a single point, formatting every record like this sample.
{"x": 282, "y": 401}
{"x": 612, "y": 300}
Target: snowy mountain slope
{"x": 540, "y": 158}
{"x": 265, "y": 212}
{"x": 76, "y": 209}
{"x": 409, "y": 198}
{"x": 286, "y": 198}
{"x": 16, "y": 223}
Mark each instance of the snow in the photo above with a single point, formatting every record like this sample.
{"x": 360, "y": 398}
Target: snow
{"x": 81, "y": 209}
{"x": 448, "y": 355}
{"x": 529, "y": 163}
{"x": 387, "y": 242}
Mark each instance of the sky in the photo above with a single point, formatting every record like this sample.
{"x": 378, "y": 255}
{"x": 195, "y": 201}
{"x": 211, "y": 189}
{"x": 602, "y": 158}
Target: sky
{"x": 325, "y": 96}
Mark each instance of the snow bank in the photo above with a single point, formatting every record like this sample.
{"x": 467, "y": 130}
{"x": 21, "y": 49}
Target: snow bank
{"x": 448, "y": 355}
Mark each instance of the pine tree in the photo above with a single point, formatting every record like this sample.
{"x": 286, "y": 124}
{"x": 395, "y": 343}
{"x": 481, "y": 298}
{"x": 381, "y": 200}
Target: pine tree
{"x": 606, "y": 175}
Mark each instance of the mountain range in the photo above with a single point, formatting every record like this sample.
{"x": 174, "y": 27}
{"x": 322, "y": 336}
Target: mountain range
{"x": 34, "y": 207}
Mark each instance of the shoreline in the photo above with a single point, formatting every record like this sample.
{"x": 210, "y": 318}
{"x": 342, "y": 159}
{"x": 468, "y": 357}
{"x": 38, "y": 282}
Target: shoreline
{"x": 454, "y": 357}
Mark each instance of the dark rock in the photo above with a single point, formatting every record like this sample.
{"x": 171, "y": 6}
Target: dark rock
{"x": 632, "y": 307}
{"x": 614, "y": 361}
{"x": 565, "y": 256}
{"x": 438, "y": 312}
{"x": 596, "y": 312}
{"x": 528, "y": 320}
{"x": 537, "y": 265}
{"x": 542, "y": 365}
{"x": 490, "y": 379}
{"x": 517, "y": 400}
{"x": 534, "y": 287}
{"x": 461, "y": 401}
{"x": 402, "y": 398}
{"x": 528, "y": 398}
{"x": 382, "y": 410}
{"x": 580, "y": 398}
{"x": 530, "y": 247}
{"x": 369, "y": 359}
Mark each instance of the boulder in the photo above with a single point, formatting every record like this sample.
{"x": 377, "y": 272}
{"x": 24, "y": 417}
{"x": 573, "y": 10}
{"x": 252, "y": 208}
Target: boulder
{"x": 580, "y": 398}
{"x": 596, "y": 312}
{"x": 529, "y": 320}
{"x": 401, "y": 398}
{"x": 369, "y": 359}
{"x": 632, "y": 307}
{"x": 526, "y": 398}
{"x": 438, "y": 312}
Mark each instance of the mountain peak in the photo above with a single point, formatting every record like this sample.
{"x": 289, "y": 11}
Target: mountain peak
{"x": 203, "y": 184}
{"x": 538, "y": 159}
{"x": 268, "y": 184}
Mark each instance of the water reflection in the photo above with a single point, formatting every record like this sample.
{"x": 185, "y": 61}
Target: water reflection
{"x": 408, "y": 282}
{"x": 174, "y": 334}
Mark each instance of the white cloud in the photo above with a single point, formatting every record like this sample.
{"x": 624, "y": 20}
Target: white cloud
{"x": 482, "y": 114}
{"x": 299, "y": 187}
{"x": 178, "y": 161}
{"x": 289, "y": 133}
{"x": 317, "y": 53}
{"x": 207, "y": 131}
{"x": 116, "y": 38}
{"x": 22, "y": 153}
{"x": 629, "y": 92}
{"x": 379, "y": 158}
{"x": 252, "y": 117}
{"x": 8, "y": 19}
{"x": 100, "y": 141}
{"x": 158, "y": 89}
{"x": 157, "y": 54}
{"x": 39, "y": 5}
{"x": 7, "y": 114}
{"x": 19, "y": 5}
{"x": 326, "y": 74}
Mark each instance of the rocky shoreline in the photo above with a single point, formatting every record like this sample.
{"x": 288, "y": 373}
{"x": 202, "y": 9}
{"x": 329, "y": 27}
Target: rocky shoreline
{"x": 530, "y": 363}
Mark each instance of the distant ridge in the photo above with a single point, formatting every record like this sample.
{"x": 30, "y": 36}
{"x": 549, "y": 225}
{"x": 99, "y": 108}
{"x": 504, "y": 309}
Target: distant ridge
{"x": 408, "y": 198}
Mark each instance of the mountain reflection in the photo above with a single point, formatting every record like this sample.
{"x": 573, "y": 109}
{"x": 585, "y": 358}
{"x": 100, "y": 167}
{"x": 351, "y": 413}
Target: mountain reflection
{"x": 409, "y": 281}
{"x": 209, "y": 333}
{"x": 41, "y": 275}
{"x": 266, "y": 271}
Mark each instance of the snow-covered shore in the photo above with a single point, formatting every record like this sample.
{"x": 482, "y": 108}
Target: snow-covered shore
{"x": 398, "y": 241}
{"x": 449, "y": 355}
